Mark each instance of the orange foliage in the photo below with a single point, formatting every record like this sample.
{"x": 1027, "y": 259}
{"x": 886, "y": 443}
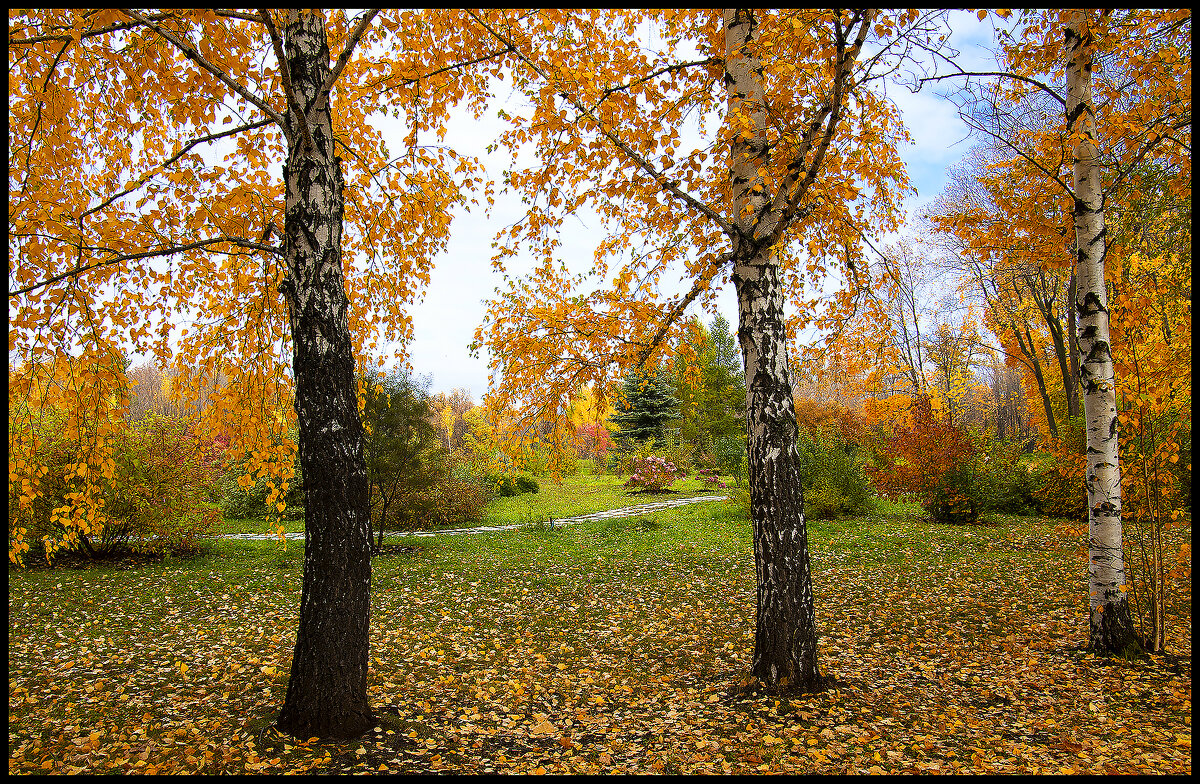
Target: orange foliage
{"x": 934, "y": 460}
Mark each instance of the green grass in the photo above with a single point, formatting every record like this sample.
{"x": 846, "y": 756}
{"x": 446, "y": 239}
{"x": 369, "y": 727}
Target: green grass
{"x": 577, "y": 494}
{"x": 583, "y": 493}
{"x": 956, "y": 648}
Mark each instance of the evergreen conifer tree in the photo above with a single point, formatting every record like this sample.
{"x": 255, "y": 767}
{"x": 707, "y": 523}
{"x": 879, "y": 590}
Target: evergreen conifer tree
{"x": 647, "y": 406}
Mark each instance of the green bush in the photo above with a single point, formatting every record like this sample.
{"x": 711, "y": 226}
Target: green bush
{"x": 1007, "y": 485}
{"x": 155, "y": 503}
{"x": 238, "y": 503}
{"x": 628, "y": 454}
{"x": 678, "y": 453}
{"x": 729, "y": 457}
{"x": 834, "y": 481}
{"x": 456, "y": 496}
{"x": 509, "y": 486}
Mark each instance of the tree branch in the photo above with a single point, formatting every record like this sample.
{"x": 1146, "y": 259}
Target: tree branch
{"x": 190, "y": 52}
{"x": 792, "y": 190}
{"x": 348, "y": 49}
{"x": 700, "y": 285}
{"x": 1004, "y": 74}
{"x": 657, "y": 175}
{"x": 285, "y": 75}
{"x": 239, "y": 241}
{"x": 211, "y": 137}
{"x": 112, "y": 28}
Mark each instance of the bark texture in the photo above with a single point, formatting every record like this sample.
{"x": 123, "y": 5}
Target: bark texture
{"x": 327, "y": 687}
{"x": 785, "y": 641}
{"x": 1111, "y": 628}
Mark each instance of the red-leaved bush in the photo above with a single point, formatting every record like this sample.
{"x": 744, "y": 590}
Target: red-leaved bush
{"x": 593, "y": 441}
{"x": 933, "y": 460}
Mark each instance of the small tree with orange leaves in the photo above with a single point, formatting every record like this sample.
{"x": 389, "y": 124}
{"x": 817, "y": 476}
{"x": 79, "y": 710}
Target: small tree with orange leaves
{"x": 933, "y": 460}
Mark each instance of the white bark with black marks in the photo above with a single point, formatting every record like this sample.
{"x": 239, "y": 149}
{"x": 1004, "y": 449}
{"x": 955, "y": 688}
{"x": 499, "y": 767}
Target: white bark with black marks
{"x": 327, "y": 689}
{"x": 1110, "y": 625}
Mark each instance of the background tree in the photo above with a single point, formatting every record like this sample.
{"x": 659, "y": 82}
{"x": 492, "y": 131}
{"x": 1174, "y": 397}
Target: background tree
{"x": 952, "y": 354}
{"x": 647, "y": 406}
{"x": 449, "y": 412}
{"x": 401, "y": 447}
{"x": 711, "y": 390}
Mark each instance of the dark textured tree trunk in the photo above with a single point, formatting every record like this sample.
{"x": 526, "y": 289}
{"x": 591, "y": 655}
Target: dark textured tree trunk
{"x": 1037, "y": 376}
{"x": 1055, "y": 328}
{"x": 327, "y": 687}
{"x": 1111, "y": 629}
{"x": 785, "y": 638}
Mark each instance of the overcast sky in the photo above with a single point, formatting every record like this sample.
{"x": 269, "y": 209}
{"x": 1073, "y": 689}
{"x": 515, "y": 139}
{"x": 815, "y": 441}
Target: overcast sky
{"x": 454, "y": 303}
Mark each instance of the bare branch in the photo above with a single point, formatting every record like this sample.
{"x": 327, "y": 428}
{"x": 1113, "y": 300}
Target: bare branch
{"x": 1003, "y": 74}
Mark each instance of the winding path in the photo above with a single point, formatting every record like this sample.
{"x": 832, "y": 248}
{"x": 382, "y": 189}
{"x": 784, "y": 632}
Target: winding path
{"x": 627, "y": 511}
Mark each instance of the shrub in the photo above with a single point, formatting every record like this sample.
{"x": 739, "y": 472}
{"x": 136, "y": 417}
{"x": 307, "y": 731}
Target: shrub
{"x": 652, "y": 474}
{"x": 237, "y": 502}
{"x": 628, "y": 453}
{"x": 834, "y": 481}
{"x": 593, "y": 441}
{"x": 934, "y": 460}
{"x": 1061, "y": 492}
{"x": 456, "y": 496}
{"x": 709, "y": 477}
{"x": 1007, "y": 483}
{"x": 729, "y": 457}
{"x": 678, "y": 453}
{"x": 162, "y": 482}
{"x": 154, "y": 503}
{"x": 509, "y": 486}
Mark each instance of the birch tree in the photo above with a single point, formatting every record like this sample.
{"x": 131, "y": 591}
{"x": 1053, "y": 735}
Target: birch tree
{"x": 803, "y": 160}
{"x": 1110, "y": 622}
{"x": 109, "y": 113}
{"x": 1107, "y": 130}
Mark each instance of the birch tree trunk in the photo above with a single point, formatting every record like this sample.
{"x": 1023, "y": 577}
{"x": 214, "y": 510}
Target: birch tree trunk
{"x": 327, "y": 687}
{"x": 1072, "y": 349}
{"x": 785, "y": 641}
{"x": 1111, "y": 628}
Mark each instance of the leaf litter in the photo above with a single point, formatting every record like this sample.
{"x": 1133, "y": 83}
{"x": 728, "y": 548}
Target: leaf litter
{"x": 603, "y": 649}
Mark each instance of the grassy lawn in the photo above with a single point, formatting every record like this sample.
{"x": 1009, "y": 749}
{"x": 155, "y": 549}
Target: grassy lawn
{"x": 607, "y": 646}
{"x": 578, "y": 494}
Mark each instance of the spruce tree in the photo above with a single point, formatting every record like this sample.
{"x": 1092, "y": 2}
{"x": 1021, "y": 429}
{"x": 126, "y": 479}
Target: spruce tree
{"x": 647, "y": 406}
